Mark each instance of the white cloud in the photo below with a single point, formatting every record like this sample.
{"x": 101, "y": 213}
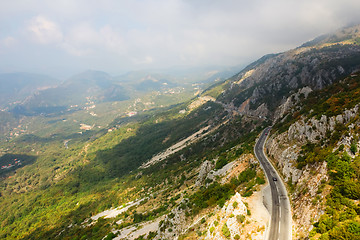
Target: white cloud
{"x": 9, "y": 42}
{"x": 112, "y": 40}
{"x": 44, "y": 31}
{"x": 125, "y": 35}
{"x": 143, "y": 61}
{"x": 83, "y": 39}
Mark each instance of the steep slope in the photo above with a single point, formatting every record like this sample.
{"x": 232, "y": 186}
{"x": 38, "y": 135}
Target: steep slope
{"x": 316, "y": 150}
{"x": 261, "y": 87}
{"x": 97, "y": 185}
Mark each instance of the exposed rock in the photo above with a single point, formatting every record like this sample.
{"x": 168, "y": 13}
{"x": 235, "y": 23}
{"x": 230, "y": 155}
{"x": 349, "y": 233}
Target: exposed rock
{"x": 173, "y": 224}
{"x": 261, "y": 111}
{"x": 221, "y": 172}
{"x": 284, "y": 148}
{"x": 275, "y": 78}
{"x": 287, "y": 104}
{"x": 205, "y": 168}
{"x": 228, "y": 215}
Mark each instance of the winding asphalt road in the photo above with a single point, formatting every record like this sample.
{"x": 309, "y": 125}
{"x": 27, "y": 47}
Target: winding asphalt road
{"x": 280, "y": 225}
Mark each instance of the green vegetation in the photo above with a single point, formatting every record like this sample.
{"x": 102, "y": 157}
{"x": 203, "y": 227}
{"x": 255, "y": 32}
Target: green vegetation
{"x": 215, "y": 90}
{"x": 330, "y": 101}
{"x": 311, "y": 153}
{"x": 240, "y": 218}
{"x": 341, "y": 219}
{"x": 247, "y": 175}
{"x": 353, "y": 148}
{"x": 225, "y": 231}
{"x": 62, "y": 184}
{"x": 216, "y": 194}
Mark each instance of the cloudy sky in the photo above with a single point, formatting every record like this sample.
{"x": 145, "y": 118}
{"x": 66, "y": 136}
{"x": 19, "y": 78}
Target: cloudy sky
{"x": 63, "y": 37}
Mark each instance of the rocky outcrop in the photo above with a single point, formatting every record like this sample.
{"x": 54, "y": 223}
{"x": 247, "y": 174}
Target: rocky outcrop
{"x": 308, "y": 202}
{"x": 205, "y": 168}
{"x": 272, "y": 81}
{"x": 228, "y": 215}
{"x": 292, "y": 100}
{"x": 173, "y": 224}
{"x": 307, "y": 197}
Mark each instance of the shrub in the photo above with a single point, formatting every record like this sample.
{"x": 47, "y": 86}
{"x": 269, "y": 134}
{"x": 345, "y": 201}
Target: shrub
{"x": 248, "y": 212}
{"x": 225, "y": 230}
{"x": 353, "y": 148}
{"x": 240, "y": 218}
{"x": 247, "y": 175}
{"x": 110, "y": 236}
{"x": 222, "y": 161}
{"x": 260, "y": 180}
{"x": 341, "y": 147}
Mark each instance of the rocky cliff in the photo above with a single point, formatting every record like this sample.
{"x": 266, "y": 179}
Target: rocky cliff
{"x": 307, "y": 184}
{"x": 264, "y": 85}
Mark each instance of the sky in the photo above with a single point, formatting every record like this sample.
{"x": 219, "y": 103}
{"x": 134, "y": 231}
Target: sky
{"x": 64, "y": 37}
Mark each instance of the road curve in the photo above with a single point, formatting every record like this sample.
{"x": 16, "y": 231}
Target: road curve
{"x": 280, "y": 223}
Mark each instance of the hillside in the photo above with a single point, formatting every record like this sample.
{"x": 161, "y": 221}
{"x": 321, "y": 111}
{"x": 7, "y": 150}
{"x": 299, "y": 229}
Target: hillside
{"x": 317, "y": 152}
{"x": 85, "y": 88}
{"x": 16, "y": 87}
{"x": 188, "y": 171}
{"x": 264, "y": 85}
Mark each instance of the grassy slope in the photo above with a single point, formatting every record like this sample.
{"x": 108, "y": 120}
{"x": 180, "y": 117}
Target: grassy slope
{"x": 104, "y": 159}
{"x": 66, "y": 186}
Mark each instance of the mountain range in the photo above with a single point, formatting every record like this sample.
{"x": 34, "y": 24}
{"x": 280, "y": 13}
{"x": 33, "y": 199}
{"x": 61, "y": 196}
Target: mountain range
{"x": 188, "y": 170}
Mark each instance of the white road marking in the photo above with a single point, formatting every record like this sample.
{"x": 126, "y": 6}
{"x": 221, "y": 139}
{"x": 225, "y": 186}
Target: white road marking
{"x": 279, "y": 212}
{"x": 279, "y": 227}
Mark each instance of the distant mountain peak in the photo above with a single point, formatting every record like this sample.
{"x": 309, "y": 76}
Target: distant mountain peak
{"x": 346, "y": 35}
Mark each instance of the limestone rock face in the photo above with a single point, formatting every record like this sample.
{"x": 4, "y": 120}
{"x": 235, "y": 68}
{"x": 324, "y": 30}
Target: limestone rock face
{"x": 284, "y": 149}
{"x": 173, "y": 224}
{"x": 274, "y": 81}
{"x": 205, "y": 168}
{"x": 229, "y": 213}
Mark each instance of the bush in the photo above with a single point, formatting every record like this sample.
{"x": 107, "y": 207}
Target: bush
{"x": 240, "y": 218}
{"x": 222, "y": 161}
{"x": 110, "y": 236}
{"x": 225, "y": 230}
{"x": 353, "y": 148}
{"x": 248, "y": 212}
{"x": 260, "y": 180}
{"x": 341, "y": 147}
{"x": 247, "y": 175}
{"x": 247, "y": 193}
{"x": 213, "y": 194}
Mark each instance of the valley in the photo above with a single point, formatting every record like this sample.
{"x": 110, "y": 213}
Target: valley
{"x": 268, "y": 153}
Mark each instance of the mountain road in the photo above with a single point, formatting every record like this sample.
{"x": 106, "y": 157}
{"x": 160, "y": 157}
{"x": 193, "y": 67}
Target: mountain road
{"x": 280, "y": 222}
